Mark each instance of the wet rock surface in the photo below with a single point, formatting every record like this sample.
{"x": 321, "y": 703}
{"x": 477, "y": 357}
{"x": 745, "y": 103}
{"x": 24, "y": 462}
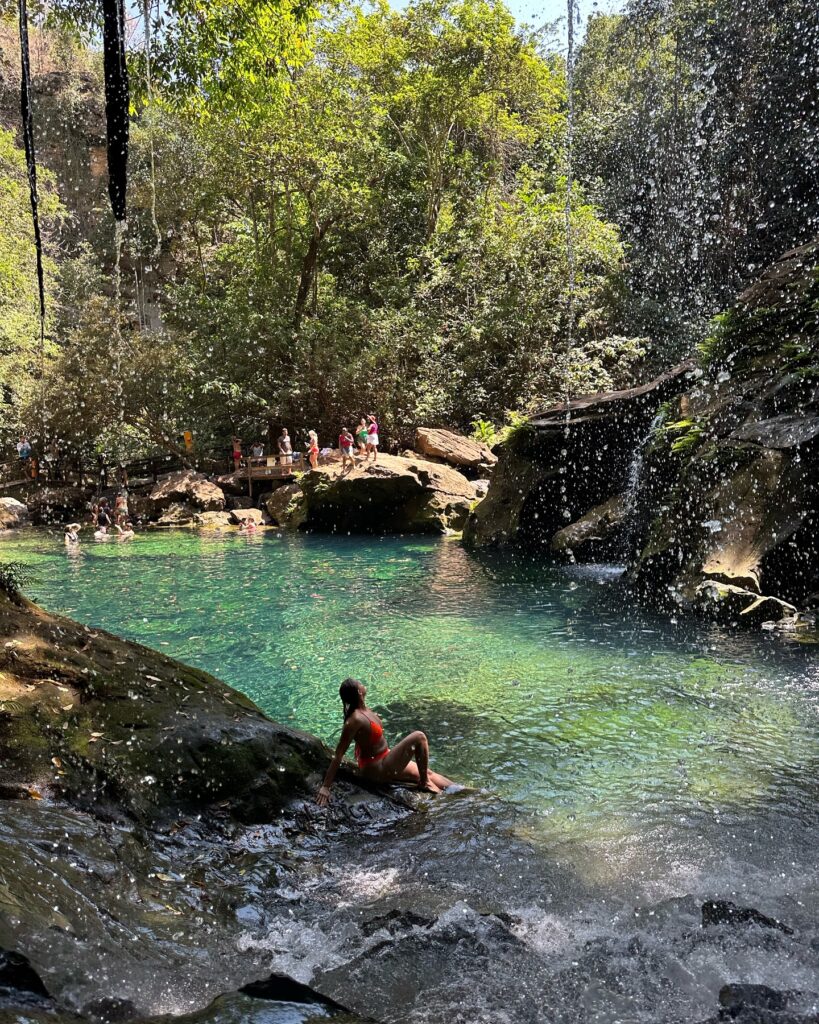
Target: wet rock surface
{"x": 566, "y": 462}
{"x": 738, "y": 504}
{"x": 285, "y": 506}
{"x": 594, "y": 534}
{"x": 723, "y": 485}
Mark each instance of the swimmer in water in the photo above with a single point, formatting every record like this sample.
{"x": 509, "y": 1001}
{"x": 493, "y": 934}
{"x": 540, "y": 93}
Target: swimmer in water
{"x": 72, "y": 533}
{"x": 408, "y": 761}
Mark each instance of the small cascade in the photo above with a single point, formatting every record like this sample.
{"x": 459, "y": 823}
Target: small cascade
{"x": 635, "y": 473}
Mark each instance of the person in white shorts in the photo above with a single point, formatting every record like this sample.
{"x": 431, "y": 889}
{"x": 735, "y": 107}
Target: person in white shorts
{"x": 372, "y": 438}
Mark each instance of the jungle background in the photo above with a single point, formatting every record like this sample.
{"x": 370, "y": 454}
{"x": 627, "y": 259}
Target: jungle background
{"x": 353, "y": 208}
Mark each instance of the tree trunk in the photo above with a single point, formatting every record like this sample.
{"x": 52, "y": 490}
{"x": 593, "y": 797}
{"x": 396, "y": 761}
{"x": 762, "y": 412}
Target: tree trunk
{"x": 308, "y": 270}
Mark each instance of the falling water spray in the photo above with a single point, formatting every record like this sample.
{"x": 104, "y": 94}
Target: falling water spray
{"x": 570, "y": 267}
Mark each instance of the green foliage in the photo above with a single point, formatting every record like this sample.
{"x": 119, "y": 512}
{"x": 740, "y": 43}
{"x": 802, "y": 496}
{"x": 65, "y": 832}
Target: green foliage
{"x": 14, "y": 576}
{"x": 20, "y": 353}
{"x": 483, "y": 430}
{"x": 687, "y": 433}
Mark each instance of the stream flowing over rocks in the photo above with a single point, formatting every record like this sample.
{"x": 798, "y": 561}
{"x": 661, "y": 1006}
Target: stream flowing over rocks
{"x": 704, "y": 481}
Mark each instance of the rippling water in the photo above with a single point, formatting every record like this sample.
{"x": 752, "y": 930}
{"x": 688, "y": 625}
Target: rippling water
{"x": 632, "y": 767}
{"x": 530, "y": 680}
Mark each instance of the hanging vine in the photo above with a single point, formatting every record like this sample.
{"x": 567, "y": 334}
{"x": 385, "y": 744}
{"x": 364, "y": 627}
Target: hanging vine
{"x": 31, "y": 165}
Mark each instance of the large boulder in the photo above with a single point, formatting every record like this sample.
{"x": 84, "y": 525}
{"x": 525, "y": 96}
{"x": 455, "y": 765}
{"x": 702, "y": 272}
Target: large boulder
{"x": 286, "y": 507}
{"x": 213, "y": 520}
{"x": 454, "y": 449}
{"x": 111, "y": 726}
{"x": 12, "y": 513}
{"x": 175, "y": 515}
{"x": 57, "y": 504}
{"x": 187, "y": 487}
{"x": 393, "y": 494}
{"x": 255, "y": 515}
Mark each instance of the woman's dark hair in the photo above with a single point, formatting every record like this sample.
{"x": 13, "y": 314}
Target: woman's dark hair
{"x": 350, "y": 694}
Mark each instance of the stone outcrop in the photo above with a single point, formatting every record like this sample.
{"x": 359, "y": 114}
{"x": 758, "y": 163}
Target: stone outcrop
{"x": 392, "y": 495}
{"x": 213, "y": 520}
{"x": 12, "y": 513}
{"x": 57, "y": 504}
{"x": 594, "y": 534}
{"x": 286, "y": 506}
{"x": 187, "y": 488}
{"x": 565, "y": 462}
{"x": 738, "y": 606}
{"x": 255, "y": 515}
{"x": 109, "y": 725}
{"x": 175, "y": 515}
{"x": 454, "y": 449}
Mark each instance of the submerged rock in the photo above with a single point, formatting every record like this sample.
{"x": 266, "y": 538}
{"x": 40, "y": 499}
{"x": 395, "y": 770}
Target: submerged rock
{"x": 392, "y": 495}
{"x": 760, "y": 1004}
{"x": 725, "y": 912}
{"x": 454, "y": 449}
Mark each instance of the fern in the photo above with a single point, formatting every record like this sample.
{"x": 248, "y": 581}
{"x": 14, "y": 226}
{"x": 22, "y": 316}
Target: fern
{"x": 14, "y": 576}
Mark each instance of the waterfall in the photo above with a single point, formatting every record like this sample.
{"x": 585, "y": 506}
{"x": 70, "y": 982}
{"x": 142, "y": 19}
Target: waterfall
{"x": 635, "y": 472}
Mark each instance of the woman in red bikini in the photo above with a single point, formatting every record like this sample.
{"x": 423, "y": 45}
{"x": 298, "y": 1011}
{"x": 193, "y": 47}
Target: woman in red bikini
{"x": 408, "y": 761}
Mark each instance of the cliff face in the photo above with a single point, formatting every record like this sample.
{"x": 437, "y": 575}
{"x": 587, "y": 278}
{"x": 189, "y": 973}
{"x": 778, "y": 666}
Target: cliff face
{"x": 733, "y": 499}
{"x": 720, "y": 499}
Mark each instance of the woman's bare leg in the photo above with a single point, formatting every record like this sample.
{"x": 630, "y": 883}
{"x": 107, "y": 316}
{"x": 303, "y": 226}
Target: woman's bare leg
{"x": 441, "y": 781}
{"x": 398, "y": 763}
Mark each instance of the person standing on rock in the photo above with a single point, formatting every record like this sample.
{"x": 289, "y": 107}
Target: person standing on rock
{"x": 408, "y": 761}
{"x": 312, "y": 448}
{"x": 372, "y": 438}
{"x": 346, "y": 444}
{"x": 362, "y": 436}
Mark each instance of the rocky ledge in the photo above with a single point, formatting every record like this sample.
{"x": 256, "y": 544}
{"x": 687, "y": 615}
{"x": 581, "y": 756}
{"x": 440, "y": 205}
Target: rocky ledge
{"x": 128, "y": 784}
{"x": 395, "y": 494}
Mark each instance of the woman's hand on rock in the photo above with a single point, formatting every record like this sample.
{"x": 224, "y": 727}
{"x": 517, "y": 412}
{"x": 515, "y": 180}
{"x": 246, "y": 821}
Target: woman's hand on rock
{"x": 323, "y": 798}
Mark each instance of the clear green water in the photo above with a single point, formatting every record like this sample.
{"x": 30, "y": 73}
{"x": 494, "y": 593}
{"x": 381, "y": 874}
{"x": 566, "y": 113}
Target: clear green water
{"x": 529, "y": 680}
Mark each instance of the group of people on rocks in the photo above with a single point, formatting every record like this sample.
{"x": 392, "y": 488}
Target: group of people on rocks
{"x": 363, "y": 444}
